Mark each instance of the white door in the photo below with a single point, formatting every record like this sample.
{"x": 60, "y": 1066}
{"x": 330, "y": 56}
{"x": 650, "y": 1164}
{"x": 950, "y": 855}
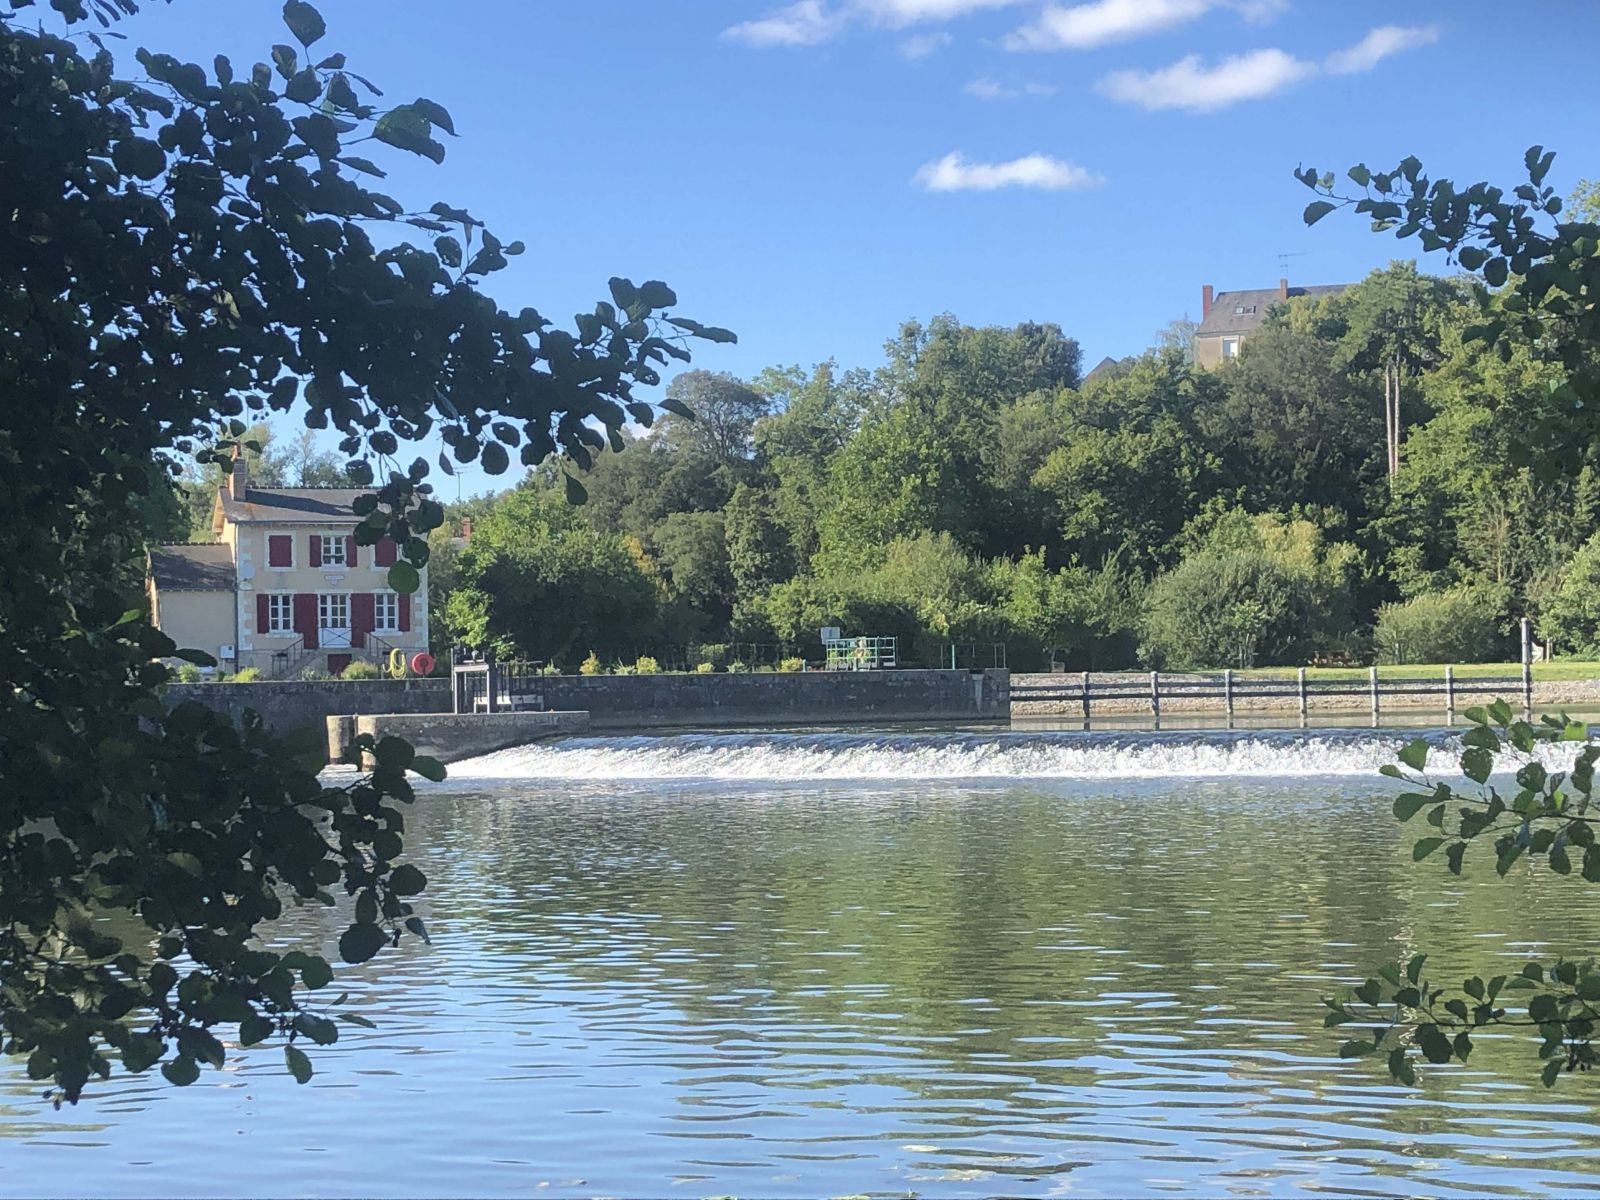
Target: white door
{"x": 333, "y": 619}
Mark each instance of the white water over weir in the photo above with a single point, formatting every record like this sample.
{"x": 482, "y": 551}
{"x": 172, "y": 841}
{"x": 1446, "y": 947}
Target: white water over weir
{"x": 804, "y": 757}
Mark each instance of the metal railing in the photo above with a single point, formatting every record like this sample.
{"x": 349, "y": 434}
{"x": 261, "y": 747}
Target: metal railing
{"x": 491, "y": 687}
{"x": 861, "y": 653}
{"x": 1085, "y": 690}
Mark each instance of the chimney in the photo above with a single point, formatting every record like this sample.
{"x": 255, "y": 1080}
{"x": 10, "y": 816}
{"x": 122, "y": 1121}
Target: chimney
{"x": 1205, "y": 302}
{"x": 239, "y": 476}
{"x": 1283, "y": 289}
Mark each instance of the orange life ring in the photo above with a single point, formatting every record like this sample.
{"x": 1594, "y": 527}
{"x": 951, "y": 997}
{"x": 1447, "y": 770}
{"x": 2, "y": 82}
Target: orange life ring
{"x": 422, "y": 663}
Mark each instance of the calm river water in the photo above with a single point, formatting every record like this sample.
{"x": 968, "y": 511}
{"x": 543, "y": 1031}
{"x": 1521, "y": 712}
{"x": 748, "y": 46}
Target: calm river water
{"x": 828, "y": 964}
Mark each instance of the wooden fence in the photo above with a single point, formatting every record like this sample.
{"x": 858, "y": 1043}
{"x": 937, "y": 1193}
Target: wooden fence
{"x": 1084, "y": 691}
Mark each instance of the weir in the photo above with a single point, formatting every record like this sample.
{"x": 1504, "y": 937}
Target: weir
{"x": 1003, "y": 757}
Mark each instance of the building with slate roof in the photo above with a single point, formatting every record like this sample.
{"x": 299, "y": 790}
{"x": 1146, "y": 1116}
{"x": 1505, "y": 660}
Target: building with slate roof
{"x": 1227, "y": 319}
{"x": 285, "y": 588}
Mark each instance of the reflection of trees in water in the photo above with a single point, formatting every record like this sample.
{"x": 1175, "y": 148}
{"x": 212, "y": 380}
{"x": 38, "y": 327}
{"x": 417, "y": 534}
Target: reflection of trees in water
{"x": 955, "y": 927}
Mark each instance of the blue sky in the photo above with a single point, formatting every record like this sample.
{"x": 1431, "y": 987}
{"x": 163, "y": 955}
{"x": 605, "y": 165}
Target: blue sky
{"x": 812, "y": 174}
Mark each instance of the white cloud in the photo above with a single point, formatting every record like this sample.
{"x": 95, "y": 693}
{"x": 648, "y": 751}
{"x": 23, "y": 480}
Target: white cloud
{"x": 1102, "y": 22}
{"x": 812, "y": 22}
{"x": 803, "y": 23}
{"x": 990, "y": 89}
{"x": 1379, "y": 45}
{"x": 1189, "y": 84}
{"x": 920, "y": 45}
{"x": 954, "y": 173}
{"x": 900, "y": 13}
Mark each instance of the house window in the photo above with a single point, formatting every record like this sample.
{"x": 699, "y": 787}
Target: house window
{"x": 1242, "y": 310}
{"x": 280, "y": 613}
{"x": 386, "y": 612}
{"x": 1230, "y": 347}
{"x": 333, "y": 550}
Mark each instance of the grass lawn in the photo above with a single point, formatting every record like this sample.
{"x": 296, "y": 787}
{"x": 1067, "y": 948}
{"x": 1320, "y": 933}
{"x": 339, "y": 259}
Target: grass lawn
{"x": 1561, "y": 668}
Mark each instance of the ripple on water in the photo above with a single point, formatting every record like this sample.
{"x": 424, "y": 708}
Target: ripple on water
{"x": 1106, "y": 987}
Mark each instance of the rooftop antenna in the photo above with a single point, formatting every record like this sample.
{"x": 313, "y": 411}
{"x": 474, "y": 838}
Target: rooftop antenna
{"x": 1285, "y": 255}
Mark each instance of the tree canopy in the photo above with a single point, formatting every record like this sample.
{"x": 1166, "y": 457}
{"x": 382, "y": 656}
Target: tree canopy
{"x": 184, "y": 246}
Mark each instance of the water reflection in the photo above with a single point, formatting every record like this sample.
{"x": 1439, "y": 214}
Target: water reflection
{"x": 949, "y": 989}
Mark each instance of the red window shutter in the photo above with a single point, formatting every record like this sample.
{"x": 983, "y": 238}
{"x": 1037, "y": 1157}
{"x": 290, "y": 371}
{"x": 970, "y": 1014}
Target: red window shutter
{"x": 316, "y": 550}
{"x": 405, "y": 613}
{"x": 261, "y": 612}
{"x": 350, "y": 551}
{"x": 383, "y": 554}
{"x": 280, "y": 550}
{"x": 305, "y": 618}
{"x": 363, "y": 617}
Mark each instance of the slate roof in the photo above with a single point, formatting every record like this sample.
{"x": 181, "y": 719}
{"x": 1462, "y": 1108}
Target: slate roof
{"x": 1223, "y": 319}
{"x": 297, "y": 505}
{"x": 192, "y": 567}
{"x": 1108, "y": 366}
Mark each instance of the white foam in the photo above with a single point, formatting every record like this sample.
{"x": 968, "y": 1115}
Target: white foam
{"x": 799, "y": 757}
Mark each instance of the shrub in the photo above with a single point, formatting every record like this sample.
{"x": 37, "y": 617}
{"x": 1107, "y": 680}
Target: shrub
{"x": 248, "y": 675}
{"x": 621, "y": 669}
{"x": 792, "y": 664}
{"x": 738, "y": 668}
{"x": 187, "y": 673}
{"x": 361, "y": 669}
{"x": 590, "y": 665}
{"x": 645, "y": 665}
{"x": 1456, "y": 625}
{"x": 704, "y": 669}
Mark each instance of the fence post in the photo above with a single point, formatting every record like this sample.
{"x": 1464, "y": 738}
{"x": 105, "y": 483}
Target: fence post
{"x": 1086, "y": 695}
{"x": 491, "y": 678}
{"x": 1527, "y": 668}
{"x": 1227, "y": 691}
{"x": 1302, "y": 675}
{"x": 1449, "y": 695}
{"x": 1155, "y": 694}
{"x": 1374, "y": 678}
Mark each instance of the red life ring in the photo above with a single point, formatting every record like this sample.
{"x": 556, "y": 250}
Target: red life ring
{"x": 422, "y": 663}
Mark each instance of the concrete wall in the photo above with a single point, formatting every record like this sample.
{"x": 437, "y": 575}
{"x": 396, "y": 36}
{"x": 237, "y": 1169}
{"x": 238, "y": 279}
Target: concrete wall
{"x": 451, "y": 738}
{"x": 799, "y": 698}
{"x": 302, "y": 705}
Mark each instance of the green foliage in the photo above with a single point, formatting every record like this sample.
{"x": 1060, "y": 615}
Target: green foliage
{"x": 645, "y": 665}
{"x": 184, "y": 249}
{"x": 248, "y": 675}
{"x": 1457, "y": 625}
{"x": 792, "y": 664}
{"x": 361, "y": 669}
{"x": 1254, "y": 591}
{"x": 590, "y": 665}
{"x": 187, "y": 673}
{"x": 704, "y": 668}
{"x": 1572, "y": 614}
{"x": 532, "y": 556}
{"x": 1400, "y": 1012}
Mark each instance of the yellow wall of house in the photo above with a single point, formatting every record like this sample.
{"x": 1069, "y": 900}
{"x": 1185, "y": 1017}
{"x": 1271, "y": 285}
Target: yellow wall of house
{"x": 196, "y": 620}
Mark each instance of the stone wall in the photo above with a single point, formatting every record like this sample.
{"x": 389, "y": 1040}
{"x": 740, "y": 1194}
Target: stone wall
{"x": 798, "y": 698}
{"x": 299, "y": 704}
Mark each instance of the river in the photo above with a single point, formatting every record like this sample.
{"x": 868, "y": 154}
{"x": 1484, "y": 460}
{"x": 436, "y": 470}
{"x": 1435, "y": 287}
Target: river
{"x": 814, "y": 964}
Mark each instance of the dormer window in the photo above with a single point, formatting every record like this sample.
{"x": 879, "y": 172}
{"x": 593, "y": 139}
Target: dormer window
{"x": 333, "y": 550}
{"x": 1243, "y": 310}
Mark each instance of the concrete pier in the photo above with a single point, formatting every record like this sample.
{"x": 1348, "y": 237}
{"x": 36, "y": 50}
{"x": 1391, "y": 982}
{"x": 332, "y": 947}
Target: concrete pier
{"x": 450, "y": 738}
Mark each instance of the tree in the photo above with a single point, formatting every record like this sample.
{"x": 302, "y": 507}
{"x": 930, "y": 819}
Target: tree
{"x": 724, "y": 415}
{"x": 536, "y": 581}
{"x": 184, "y": 248}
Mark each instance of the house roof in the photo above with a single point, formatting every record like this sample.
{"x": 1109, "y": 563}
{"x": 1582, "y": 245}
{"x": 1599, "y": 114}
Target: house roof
{"x": 300, "y": 506}
{"x": 192, "y": 567}
{"x": 1108, "y": 366}
{"x": 1225, "y": 316}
